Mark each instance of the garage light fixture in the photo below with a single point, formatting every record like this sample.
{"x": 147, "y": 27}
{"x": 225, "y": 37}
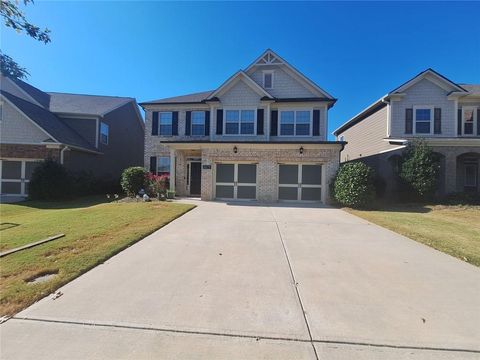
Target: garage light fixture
{"x": 235, "y": 149}
{"x": 301, "y": 149}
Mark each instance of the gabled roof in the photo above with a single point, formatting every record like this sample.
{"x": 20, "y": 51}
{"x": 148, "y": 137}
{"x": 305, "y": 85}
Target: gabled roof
{"x": 269, "y": 57}
{"x": 51, "y": 124}
{"x": 80, "y": 104}
{"x": 423, "y": 75}
{"x": 194, "y": 98}
{"x": 473, "y": 89}
{"x": 38, "y": 95}
{"x": 241, "y": 75}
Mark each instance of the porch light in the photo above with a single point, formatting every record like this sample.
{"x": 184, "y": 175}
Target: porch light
{"x": 235, "y": 149}
{"x": 301, "y": 149}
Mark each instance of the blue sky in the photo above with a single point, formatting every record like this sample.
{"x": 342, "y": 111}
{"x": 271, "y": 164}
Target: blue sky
{"x": 356, "y": 51}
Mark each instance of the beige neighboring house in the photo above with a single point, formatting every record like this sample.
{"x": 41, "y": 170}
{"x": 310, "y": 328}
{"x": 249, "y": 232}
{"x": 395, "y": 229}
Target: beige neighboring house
{"x": 261, "y": 135}
{"x": 429, "y": 106}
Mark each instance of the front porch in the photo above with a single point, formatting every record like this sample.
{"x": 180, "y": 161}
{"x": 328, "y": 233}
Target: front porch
{"x": 459, "y": 169}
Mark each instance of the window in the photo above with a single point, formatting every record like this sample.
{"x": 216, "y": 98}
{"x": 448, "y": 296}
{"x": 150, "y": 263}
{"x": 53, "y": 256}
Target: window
{"x": 104, "y": 133}
{"x": 268, "y": 79}
{"x": 163, "y": 165}
{"x": 165, "y": 123}
{"x": 423, "y": 119}
{"x": 240, "y": 122}
{"x": 295, "y": 123}
{"x": 468, "y": 115}
{"x": 198, "y": 123}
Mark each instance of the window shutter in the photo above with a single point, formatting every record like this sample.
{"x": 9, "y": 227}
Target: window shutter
{"x": 437, "y": 121}
{"x": 478, "y": 121}
{"x": 153, "y": 164}
{"x": 188, "y": 122}
{"x": 459, "y": 122}
{"x": 408, "y": 121}
{"x": 260, "y": 125}
{"x": 273, "y": 123}
{"x": 175, "y": 123}
{"x": 207, "y": 123}
{"x": 316, "y": 122}
{"x": 219, "y": 121}
{"x": 155, "y": 123}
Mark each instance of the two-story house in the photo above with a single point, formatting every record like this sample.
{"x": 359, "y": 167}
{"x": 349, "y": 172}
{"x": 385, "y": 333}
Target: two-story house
{"x": 97, "y": 134}
{"x": 429, "y": 106}
{"x": 261, "y": 135}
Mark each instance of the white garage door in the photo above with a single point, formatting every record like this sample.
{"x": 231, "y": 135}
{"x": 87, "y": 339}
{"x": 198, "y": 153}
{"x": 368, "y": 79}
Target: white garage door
{"x": 15, "y": 176}
{"x": 236, "y": 181}
{"x": 300, "y": 182}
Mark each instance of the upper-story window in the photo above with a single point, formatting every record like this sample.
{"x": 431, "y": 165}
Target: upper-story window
{"x": 165, "y": 120}
{"x": 468, "y": 120}
{"x": 239, "y": 122}
{"x": 295, "y": 123}
{"x": 423, "y": 117}
{"x": 268, "y": 79}
{"x": 104, "y": 133}
{"x": 198, "y": 123}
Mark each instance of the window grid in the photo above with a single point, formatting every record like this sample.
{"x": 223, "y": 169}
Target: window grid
{"x": 423, "y": 120}
{"x": 295, "y": 123}
{"x": 198, "y": 123}
{"x": 104, "y": 132}
{"x": 163, "y": 165}
{"x": 240, "y": 122}
{"x": 165, "y": 121}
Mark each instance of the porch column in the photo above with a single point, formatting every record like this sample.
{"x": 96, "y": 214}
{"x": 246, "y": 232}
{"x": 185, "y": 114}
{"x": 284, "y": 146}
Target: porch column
{"x": 172, "y": 169}
{"x": 450, "y": 172}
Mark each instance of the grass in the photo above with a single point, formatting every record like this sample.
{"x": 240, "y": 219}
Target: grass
{"x": 94, "y": 231}
{"x": 452, "y": 229}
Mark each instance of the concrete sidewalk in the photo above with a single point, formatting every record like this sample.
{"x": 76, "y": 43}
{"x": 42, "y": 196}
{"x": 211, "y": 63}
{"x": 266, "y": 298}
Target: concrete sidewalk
{"x": 243, "y": 281}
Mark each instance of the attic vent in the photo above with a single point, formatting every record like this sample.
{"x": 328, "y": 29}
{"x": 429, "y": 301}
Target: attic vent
{"x": 269, "y": 59}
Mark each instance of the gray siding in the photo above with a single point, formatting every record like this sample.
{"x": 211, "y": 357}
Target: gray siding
{"x": 425, "y": 93}
{"x": 366, "y": 138}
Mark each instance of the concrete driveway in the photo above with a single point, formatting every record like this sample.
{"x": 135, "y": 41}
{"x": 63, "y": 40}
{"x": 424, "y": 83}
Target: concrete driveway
{"x": 242, "y": 281}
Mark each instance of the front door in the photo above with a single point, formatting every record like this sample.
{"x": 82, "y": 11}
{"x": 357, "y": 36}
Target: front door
{"x": 195, "y": 178}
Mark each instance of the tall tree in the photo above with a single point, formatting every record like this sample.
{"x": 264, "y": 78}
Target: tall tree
{"x": 14, "y": 18}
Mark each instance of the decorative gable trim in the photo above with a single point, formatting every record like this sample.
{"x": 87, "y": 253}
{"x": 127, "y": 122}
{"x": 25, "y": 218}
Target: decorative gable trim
{"x": 270, "y": 55}
{"x": 239, "y": 76}
{"x": 432, "y": 76}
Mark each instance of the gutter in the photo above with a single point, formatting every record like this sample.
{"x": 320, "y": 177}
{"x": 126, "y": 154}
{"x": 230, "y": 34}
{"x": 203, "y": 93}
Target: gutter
{"x": 61, "y": 154}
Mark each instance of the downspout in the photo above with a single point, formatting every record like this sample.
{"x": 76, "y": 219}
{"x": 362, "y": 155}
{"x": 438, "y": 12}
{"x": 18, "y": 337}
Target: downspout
{"x": 61, "y": 154}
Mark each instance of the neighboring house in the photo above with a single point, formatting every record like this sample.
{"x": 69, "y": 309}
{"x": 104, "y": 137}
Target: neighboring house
{"x": 98, "y": 134}
{"x": 429, "y": 106}
{"x": 261, "y": 135}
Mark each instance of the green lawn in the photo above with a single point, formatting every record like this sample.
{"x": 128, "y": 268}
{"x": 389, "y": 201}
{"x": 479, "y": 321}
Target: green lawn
{"x": 455, "y": 230}
{"x": 94, "y": 231}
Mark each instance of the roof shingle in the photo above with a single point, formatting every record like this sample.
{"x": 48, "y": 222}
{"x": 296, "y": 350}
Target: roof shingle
{"x": 84, "y": 104}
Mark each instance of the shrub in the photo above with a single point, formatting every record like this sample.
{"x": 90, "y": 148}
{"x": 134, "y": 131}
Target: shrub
{"x": 157, "y": 184}
{"x": 420, "y": 168}
{"x": 354, "y": 184}
{"x": 50, "y": 181}
{"x": 133, "y": 179}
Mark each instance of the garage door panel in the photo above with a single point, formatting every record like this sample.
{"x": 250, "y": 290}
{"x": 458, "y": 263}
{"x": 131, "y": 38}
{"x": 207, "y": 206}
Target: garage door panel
{"x": 288, "y": 174}
{"x": 288, "y": 193}
{"x": 311, "y": 194}
{"x": 247, "y": 173}
{"x": 312, "y": 174}
{"x": 225, "y": 173}
{"x": 247, "y": 192}
{"x": 11, "y": 169}
{"x": 225, "y": 191}
{"x": 11, "y": 187}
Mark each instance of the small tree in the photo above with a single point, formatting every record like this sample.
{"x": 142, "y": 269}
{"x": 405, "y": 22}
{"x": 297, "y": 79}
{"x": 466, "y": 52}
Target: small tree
{"x": 50, "y": 181}
{"x": 133, "y": 179}
{"x": 354, "y": 184}
{"x": 420, "y": 168}
{"x": 157, "y": 184}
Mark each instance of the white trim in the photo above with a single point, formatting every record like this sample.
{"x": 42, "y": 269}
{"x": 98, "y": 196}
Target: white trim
{"x": 108, "y": 133}
{"x": 158, "y": 130}
{"x": 235, "y": 182}
{"x": 393, "y": 149}
{"x": 22, "y": 180}
{"x": 239, "y": 109}
{"x": 189, "y": 176}
{"x": 268, "y": 72}
{"x": 240, "y": 75}
{"x": 204, "y": 121}
{"x": 474, "y": 125}
{"x": 299, "y": 185}
{"x": 431, "y": 121}
{"x": 437, "y": 80}
{"x": 310, "y": 110}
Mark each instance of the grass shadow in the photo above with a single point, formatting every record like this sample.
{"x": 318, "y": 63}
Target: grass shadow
{"x": 82, "y": 202}
{"x": 6, "y": 226}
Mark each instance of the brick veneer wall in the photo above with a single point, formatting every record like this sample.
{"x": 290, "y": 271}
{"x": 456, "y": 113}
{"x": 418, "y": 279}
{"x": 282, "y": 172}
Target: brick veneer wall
{"x": 28, "y": 151}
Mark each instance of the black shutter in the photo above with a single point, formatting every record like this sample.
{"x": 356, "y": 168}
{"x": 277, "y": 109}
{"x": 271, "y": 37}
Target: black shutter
{"x": 188, "y": 122}
{"x": 155, "y": 123}
{"x": 437, "y": 121}
{"x": 478, "y": 121}
{"x": 153, "y": 164}
{"x": 175, "y": 123}
{"x": 273, "y": 123}
{"x": 459, "y": 122}
{"x": 219, "y": 121}
{"x": 207, "y": 123}
{"x": 260, "y": 125}
{"x": 408, "y": 121}
{"x": 316, "y": 122}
